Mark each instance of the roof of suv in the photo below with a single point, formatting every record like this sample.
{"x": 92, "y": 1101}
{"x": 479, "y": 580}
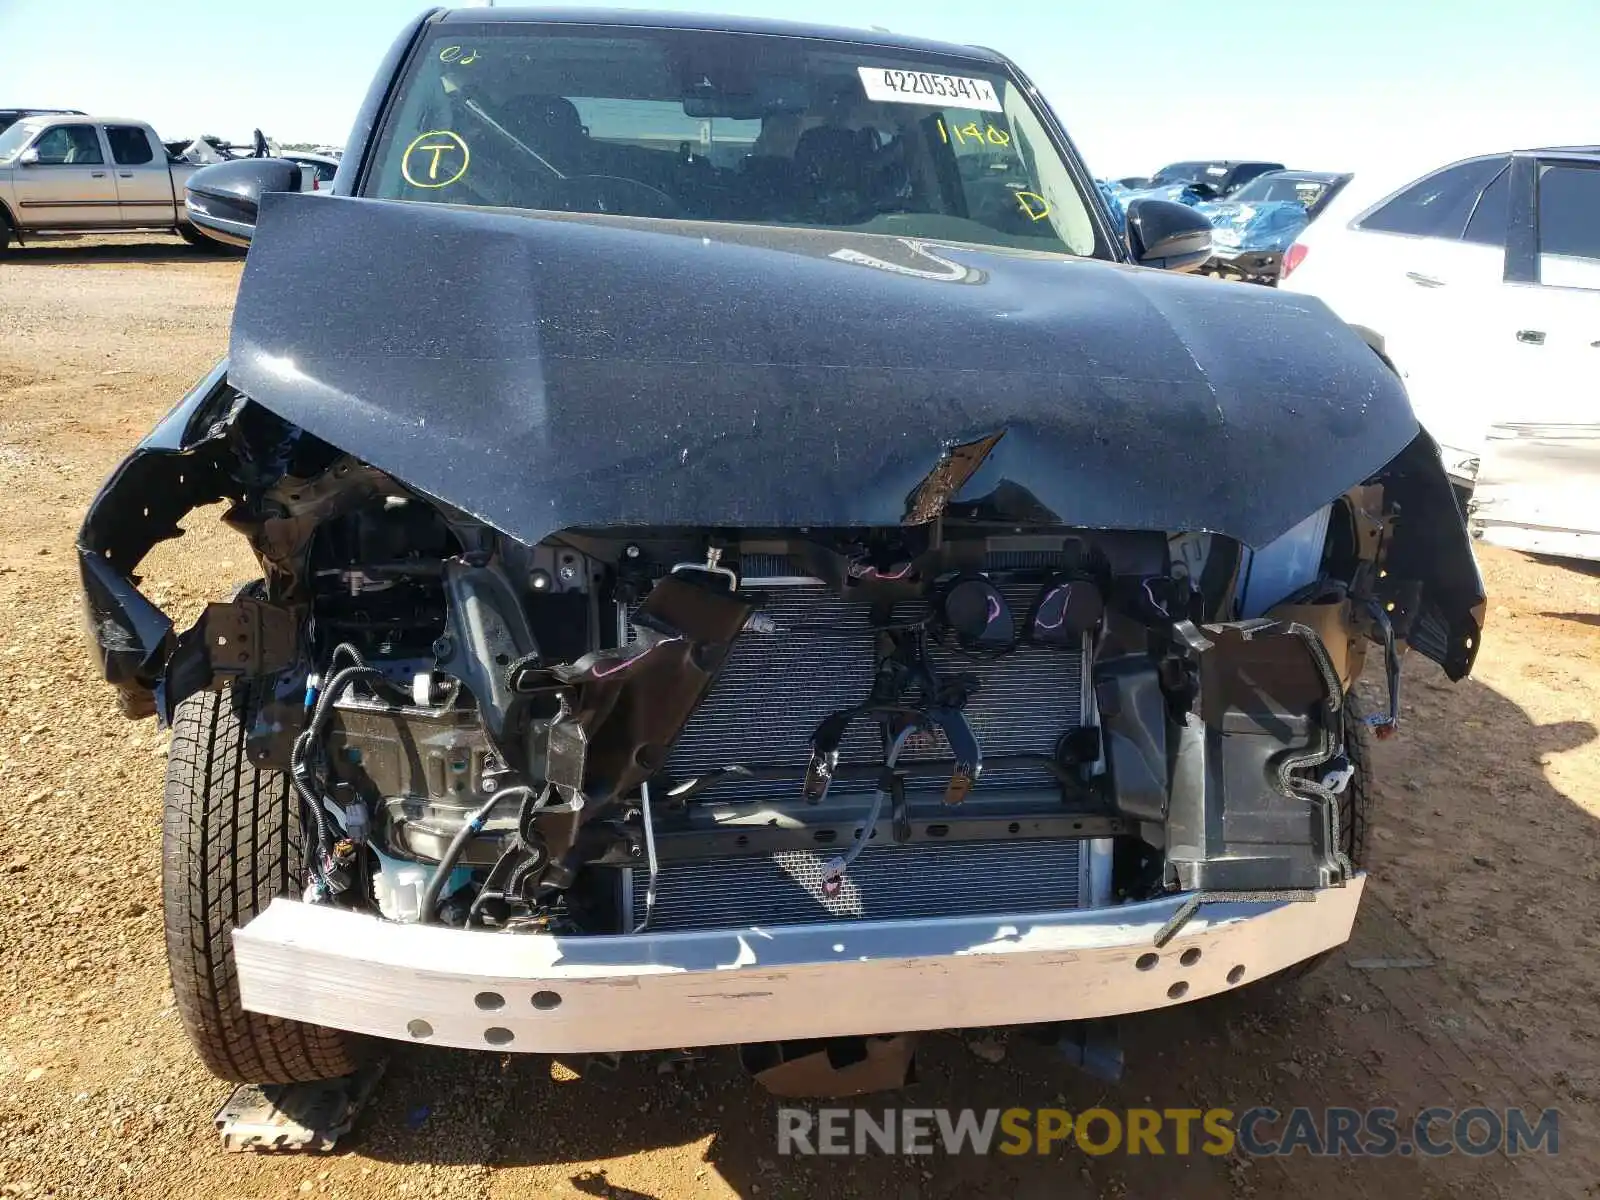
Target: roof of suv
{"x": 1314, "y": 176}
{"x": 669, "y": 20}
{"x": 1579, "y": 152}
{"x": 1226, "y": 163}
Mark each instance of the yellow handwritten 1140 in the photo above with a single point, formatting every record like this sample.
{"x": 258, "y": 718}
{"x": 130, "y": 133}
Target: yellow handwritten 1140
{"x": 970, "y": 132}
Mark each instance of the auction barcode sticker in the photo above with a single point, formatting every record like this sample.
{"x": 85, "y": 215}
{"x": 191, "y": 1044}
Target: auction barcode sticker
{"x": 921, "y": 87}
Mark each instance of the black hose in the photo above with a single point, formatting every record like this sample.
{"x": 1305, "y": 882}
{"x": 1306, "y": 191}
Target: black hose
{"x": 300, "y": 765}
{"x": 310, "y": 799}
{"x": 302, "y": 775}
{"x": 331, "y": 690}
{"x": 356, "y": 656}
{"x": 470, "y": 828}
{"x": 526, "y": 792}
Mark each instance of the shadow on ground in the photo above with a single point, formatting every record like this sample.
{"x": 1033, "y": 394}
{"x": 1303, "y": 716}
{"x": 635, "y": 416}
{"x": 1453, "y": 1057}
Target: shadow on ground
{"x": 1582, "y": 566}
{"x": 1578, "y": 618}
{"x": 68, "y": 253}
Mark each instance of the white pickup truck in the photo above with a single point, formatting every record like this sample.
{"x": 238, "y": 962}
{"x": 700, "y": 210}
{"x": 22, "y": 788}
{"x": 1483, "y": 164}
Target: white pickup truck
{"x": 71, "y": 174}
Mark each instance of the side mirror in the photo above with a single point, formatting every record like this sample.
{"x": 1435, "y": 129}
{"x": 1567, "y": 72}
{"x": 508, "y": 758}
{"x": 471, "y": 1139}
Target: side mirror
{"x": 223, "y": 200}
{"x": 1167, "y": 235}
{"x": 28, "y": 158}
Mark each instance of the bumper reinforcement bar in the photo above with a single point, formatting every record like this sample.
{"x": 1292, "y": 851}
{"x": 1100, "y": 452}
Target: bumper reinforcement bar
{"x": 548, "y": 994}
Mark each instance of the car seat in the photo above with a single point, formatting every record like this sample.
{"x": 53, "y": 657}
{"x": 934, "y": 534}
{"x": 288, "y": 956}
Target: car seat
{"x": 551, "y": 126}
{"x": 836, "y": 173}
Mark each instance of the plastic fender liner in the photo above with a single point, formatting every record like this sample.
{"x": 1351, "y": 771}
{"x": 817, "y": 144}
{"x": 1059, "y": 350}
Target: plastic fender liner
{"x": 130, "y": 638}
{"x": 1432, "y": 577}
{"x": 170, "y": 474}
{"x": 1268, "y": 705}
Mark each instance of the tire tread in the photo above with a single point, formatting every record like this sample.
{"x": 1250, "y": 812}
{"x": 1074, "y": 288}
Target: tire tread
{"x": 1355, "y": 811}
{"x": 230, "y": 845}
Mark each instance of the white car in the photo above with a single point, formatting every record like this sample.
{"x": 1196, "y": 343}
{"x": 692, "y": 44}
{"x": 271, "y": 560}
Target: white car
{"x": 316, "y": 170}
{"x": 1480, "y": 283}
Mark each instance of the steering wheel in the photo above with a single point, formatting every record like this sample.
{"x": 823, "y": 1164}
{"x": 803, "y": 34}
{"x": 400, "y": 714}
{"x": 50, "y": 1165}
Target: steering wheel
{"x": 609, "y": 194}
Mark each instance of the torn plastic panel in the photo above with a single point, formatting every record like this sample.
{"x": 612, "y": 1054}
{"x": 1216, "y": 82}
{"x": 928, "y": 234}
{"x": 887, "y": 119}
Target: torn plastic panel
{"x": 1433, "y": 589}
{"x": 1222, "y": 770}
{"x": 175, "y": 470}
{"x": 214, "y": 445}
{"x": 632, "y": 701}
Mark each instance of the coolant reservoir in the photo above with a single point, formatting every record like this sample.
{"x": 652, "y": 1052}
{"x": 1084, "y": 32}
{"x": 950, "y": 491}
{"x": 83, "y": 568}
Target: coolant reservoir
{"x": 398, "y": 888}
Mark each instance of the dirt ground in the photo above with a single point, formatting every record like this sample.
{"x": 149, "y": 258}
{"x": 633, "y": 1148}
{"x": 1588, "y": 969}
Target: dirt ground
{"x": 1484, "y": 867}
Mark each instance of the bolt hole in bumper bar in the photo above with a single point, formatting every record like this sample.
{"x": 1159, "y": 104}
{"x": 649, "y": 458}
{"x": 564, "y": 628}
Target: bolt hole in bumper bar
{"x": 546, "y": 994}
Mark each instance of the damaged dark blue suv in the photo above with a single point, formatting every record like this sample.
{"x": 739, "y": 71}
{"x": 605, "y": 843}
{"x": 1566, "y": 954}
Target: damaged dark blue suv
{"x": 748, "y": 557}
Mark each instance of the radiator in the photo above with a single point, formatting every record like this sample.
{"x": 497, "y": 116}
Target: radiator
{"x": 775, "y": 688}
{"x": 918, "y": 880}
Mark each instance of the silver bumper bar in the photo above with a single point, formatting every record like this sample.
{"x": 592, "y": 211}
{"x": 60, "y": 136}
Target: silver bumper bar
{"x": 548, "y": 994}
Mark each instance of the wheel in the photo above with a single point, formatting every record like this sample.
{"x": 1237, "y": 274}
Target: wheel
{"x": 230, "y": 844}
{"x": 1355, "y": 812}
{"x": 1356, "y": 801}
{"x": 5, "y": 233}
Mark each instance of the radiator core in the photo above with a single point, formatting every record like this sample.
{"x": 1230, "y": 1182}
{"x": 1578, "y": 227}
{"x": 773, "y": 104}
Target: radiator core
{"x": 775, "y": 688}
{"x": 920, "y": 880}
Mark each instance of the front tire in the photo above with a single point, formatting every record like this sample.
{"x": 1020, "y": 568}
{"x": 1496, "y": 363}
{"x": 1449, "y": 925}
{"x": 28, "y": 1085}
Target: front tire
{"x": 1356, "y": 801}
{"x": 230, "y": 845}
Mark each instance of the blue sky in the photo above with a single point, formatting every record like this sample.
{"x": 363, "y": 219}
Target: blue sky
{"x": 1388, "y": 88}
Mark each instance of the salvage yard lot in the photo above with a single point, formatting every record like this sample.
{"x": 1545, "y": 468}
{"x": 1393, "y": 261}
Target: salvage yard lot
{"x": 1484, "y": 868}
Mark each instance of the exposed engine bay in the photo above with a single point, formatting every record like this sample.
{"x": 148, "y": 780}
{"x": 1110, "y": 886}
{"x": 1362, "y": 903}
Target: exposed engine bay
{"x": 672, "y": 728}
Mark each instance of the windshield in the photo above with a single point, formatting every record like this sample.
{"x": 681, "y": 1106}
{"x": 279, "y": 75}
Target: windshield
{"x": 16, "y": 137}
{"x": 698, "y": 125}
{"x": 1282, "y": 187}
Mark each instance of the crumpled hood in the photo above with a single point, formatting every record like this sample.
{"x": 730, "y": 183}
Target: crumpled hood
{"x": 546, "y": 373}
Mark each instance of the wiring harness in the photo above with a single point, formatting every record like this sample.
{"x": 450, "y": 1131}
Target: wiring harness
{"x": 330, "y": 859}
